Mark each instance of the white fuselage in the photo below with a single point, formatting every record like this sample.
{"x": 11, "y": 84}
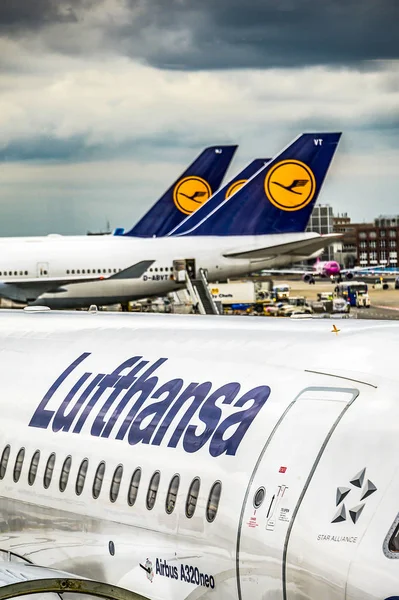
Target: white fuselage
{"x": 86, "y": 256}
{"x": 296, "y": 423}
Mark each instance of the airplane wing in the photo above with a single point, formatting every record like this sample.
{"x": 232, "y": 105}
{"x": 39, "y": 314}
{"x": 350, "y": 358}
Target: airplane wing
{"x": 21, "y": 579}
{"x": 295, "y": 248}
{"x": 28, "y": 289}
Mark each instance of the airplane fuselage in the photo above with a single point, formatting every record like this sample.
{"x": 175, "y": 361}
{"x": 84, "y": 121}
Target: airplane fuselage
{"x": 83, "y": 256}
{"x": 300, "y": 447}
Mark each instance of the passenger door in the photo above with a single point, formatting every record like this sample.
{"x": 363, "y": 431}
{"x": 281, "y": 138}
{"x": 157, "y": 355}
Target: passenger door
{"x": 278, "y": 485}
{"x": 42, "y": 269}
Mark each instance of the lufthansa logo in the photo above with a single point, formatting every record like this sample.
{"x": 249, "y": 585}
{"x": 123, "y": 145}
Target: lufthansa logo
{"x": 290, "y": 185}
{"x": 190, "y": 193}
{"x": 235, "y": 187}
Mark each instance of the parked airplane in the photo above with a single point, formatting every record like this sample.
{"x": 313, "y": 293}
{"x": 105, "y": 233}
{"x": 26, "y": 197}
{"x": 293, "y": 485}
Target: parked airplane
{"x": 195, "y": 457}
{"x": 259, "y": 225}
{"x": 321, "y": 268}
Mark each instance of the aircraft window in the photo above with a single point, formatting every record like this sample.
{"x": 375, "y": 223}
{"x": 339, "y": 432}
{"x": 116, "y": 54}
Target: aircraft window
{"x": 98, "y": 480}
{"x": 259, "y": 497}
{"x": 98, "y": 270}
{"x": 48, "y": 473}
{"x": 33, "y": 467}
{"x": 10, "y": 272}
{"x": 16, "y": 272}
{"x": 109, "y": 270}
{"x": 172, "y": 494}
{"x": 21, "y": 272}
{"x": 19, "y": 461}
{"x": 161, "y": 268}
{"x": 192, "y": 497}
{"x": 80, "y": 481}
{"x": 104, "y": 270}
{"x": 73, "y": 271}
{"x": 83, "y": 271}
{"x": 150, "y": 270}
{"x": 88, "y": 270}
{"x": 67, "y": 271}
{"x": 134, "y": 487}
{"x": 116, "y": 483}
{"x": 78, "y": 271}
{"x": 393, "y": 545}
{"x": 213, "y": 501}
{"x": 66, "y": 467}
{"x": 4, "y": 461}
{"x": 114, "y": 270}
{"x": 153, "y": 490}
{"x": 26, "y": 272}
{"x": 156, "y": 269}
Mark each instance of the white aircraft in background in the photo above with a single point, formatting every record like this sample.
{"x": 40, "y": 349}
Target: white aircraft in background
{"x": 234, "y": 233}
{"x": 181, "y": 457}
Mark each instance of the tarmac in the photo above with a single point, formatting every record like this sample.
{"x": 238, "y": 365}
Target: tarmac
{"x": 384, "y": 303}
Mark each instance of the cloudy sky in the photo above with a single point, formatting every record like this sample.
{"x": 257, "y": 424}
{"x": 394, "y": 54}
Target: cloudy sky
{"x": 104, "y": 102}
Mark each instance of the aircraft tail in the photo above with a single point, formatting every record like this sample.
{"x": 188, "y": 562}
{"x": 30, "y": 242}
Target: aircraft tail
{"x": 280, "y": 197}
{"x": 220, "y": 196}
{"x": 194, "y": 187}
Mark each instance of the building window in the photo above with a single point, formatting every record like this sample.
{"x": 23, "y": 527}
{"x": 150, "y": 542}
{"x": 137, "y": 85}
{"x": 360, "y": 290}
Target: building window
{"x": 98, "y": 480}
{"x": 382, "y": 233}
{"x": 4, "y": 461}
{"x": 363, "y": 244}
{"x": 362, "y": 235}
{"x": 80, "y": 481}
{"x": 392, "y": 243}
{"x": 382, "y": 243}
{"x": 372, "y": 235}
{"x": 392, "y": 233}
{"x": 213, "y": 501}
{"x": 19, "y": 461}
{"x": 48, "y": 473}
{"x": 116, "y": 483}
{"x": 134, "y": 487}
{"x": 33, "y": 467}
{"x": 373, "y": 244}
{"x": 66, "y": 468}
{"x": 172, "y": 494}
{"x": 192, "y": 497}
{"x": 153, "y": 490}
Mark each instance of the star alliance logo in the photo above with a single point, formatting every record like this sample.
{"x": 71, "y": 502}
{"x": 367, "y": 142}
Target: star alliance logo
{"x": 367, "y": 488}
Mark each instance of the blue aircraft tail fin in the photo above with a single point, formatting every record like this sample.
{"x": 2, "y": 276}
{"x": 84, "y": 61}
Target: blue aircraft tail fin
{"x": 195, "y": 186}
{"x": 220, "y": 196}
{"x": 280, "y": 197}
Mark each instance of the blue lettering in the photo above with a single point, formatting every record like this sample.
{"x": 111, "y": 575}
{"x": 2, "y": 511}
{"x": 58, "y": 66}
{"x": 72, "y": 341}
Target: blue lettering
{"x": 42, "y": 417}
{"x": 63, "y": 421}
{"x": 158, "y": 409}
{"x": 123, "y": 382}
{"x": 198, "y": 393}
{"x": 145, "y": 386}
{"x": 245, "y": 417}
{"x": 210, "y": 415}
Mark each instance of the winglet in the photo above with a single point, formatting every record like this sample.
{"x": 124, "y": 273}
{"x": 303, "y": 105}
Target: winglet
{"x": 134, "y": 271}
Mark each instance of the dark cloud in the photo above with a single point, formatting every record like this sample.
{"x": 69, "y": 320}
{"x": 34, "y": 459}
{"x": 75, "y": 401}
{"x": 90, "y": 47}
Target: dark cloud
{"x": 217, "y": 34}
{"x": 222, "y": 34}
{"x": 32, "y": 14}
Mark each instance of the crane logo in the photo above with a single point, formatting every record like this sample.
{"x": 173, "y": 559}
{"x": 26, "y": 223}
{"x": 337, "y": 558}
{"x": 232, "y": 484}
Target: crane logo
{"x": 235, "y": 187}
{"x": 190, "y": 193}
{"x": 366, "y": 488}
{"x": 290, "y": 185}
